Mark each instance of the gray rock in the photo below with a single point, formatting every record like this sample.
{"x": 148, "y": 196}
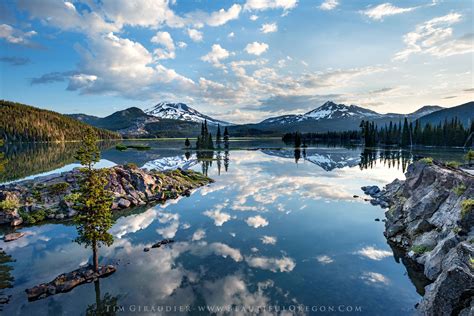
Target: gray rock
{"x": 122, "y": 203}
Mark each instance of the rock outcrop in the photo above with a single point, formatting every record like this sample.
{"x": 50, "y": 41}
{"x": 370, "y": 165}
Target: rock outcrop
{"x": 431, "y": 219}
{"x": 53, "y": 197}
{"x": 66, "y": 282}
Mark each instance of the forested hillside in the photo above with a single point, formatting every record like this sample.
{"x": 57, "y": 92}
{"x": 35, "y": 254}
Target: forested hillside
{"x": 24, "y": 123}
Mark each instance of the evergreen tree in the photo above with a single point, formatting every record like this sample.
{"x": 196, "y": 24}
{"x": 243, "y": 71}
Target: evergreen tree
{"x": 94, "y": 216}
{"x": 187, "y": 143}
{"x": 226, "y": 138}
{"x": 405, "y": 133}
{"x": 218, "y": 136}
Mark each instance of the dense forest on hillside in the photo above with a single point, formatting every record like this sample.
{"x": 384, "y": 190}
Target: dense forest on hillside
{"x": 24, "y": 123}
{"x": 403, "y": 134}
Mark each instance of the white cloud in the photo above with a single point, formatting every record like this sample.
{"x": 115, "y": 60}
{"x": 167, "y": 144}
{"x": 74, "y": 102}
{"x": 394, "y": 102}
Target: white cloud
{"x": 195, "y": 35}
{"x": 164, "y": 39}
{"x": 385, "y": 9}
{"x": 324, "y": 259}
{"x": 269, "y": 240}
{"x": 435, "y": 37}
{"x": 215, "y": 56}
{"x": 256, "y": 221}
{"x": 284, "y": 264}
{"x": 182, "y": 44}
{"x": 222, "y": 16}
{"x": 253, "y": 17}
{"x": 15, "y": 36}
{"x": 231, "y": 35}
{"x": 269, "y": 28}
{"x": 328, "y": 5}
{"x": 256, "y": 48}
{"x": 199, "y": 234}
{"x": 219, "y": 217}
{"x": 373, "y": 253}
{"x": 270, "y": 4}
{"x": 374, "y": 277}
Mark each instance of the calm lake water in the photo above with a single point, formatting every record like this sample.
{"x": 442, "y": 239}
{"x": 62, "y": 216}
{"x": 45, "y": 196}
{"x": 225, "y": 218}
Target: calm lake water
{"x": 277, "y": 228}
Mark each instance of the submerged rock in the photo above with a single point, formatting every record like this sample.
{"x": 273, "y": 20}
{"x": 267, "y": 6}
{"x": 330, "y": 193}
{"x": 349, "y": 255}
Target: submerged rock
{"x": 430, "y": 219}
{"x": 162, "y": 243}
{"x": 13, "y": 236}
{"x": 53, "y": 197}
{"x": 66, "y": 282}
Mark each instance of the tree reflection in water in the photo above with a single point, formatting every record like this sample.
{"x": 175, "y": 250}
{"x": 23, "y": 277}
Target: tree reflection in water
{"x": 390, "y": 158}
{"x": 104, "y": 306}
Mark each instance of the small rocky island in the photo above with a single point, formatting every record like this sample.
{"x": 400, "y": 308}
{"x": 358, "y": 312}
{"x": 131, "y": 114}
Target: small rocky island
{"x": 52, "y": 197}
{"x": 430, "y": 219}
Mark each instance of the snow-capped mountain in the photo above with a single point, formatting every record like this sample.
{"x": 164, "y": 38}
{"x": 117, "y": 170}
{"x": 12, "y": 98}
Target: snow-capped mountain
{"x": 171, "y": 163}
{"x": 182, "y": 112}
{"x": 328, "y": 111}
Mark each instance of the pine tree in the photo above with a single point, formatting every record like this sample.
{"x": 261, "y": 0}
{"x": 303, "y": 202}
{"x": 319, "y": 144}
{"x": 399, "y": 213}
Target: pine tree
{"x": 226, "y": 138}
{"x": 94, "y": 215}
{"x": 218, "y": 136}
{"x": 187, "y": 143}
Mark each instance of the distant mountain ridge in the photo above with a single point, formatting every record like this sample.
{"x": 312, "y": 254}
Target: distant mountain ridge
{"x": 179, "y": 120}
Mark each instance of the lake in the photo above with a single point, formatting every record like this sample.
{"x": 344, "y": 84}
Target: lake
{"x": 279, "y": 228}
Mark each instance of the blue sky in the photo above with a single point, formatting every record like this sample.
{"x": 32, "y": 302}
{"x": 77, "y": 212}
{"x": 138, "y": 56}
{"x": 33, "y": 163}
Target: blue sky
{"x": 240, "y": 61}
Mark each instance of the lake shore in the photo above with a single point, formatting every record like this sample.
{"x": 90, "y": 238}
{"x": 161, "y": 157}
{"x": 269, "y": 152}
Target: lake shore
{"x": 431, "y": 219}
{"x": 53, "y": 197}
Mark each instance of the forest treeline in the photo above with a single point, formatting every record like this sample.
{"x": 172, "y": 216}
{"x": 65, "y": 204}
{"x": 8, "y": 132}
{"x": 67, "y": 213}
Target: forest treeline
{"x": 401, "y": 133}
{"x": 24, "y": 123}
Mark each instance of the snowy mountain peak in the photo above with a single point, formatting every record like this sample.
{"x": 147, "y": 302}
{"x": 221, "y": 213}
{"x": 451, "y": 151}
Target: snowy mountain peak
{"x": 182, "y": 112}
{"x": 331, "y": 110}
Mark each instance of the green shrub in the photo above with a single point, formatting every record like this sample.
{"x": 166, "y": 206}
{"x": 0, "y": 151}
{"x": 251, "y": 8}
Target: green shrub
{"x": 32, "y": 218}
{"x": 457, "y": 230}
{"x": 427, "y": 160}
{"x": 139, "y": 147}
{"x": 72, "y": 197}
{"x": 453, "y": 164}
{"x": 58, "y": 188}
{"x": 460, "y": 189}
{"x": 420, "y": 249}
{"x": 466, "y": 207}
{"x": 9, "y": 205}
{"x": 121, "y": 147}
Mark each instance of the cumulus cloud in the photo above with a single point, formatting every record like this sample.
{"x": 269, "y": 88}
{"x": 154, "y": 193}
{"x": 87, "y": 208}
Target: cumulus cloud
{"x": 164, "y": 39}
{"x": 269, "y": 28}
{"x": 219, "y": 217}
{"x": 15, "y": 36}
{"x": 253, "y": 17}
{"x": 256, "y": 48}
{"x": 373, "y": 253}
{"x": 256, "y": 221}
{"x": 195, "y": 35}
{"x": 385, "y": 9}
{"x": 215, "y": 56}
{"x": 199, "y": 234}
{"x": 284, "y": 264}
{"x": 328, "y": 5}
{"x": 324, "y": 259}
{"x": 374, "y": 278}
{"x": 216, "y": 18}
{"x": 261, "y": 5}
{"x": 435, "y": 37}
{"x": 269, "y": 240}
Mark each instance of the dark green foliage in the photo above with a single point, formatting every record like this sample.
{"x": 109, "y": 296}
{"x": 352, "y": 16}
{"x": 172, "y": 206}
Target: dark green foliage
{"x": 23, "y": 123}
{"x": 58, "y": 188}
{"x": 329, "y": 137}
{"x": 187, "y": 143}
{"x": 34, "y": 217}
{"x": 139, "y": 147}
{"x": 6, "y": 278}
{"x": 94, "y": 216}
{"x": 218, "y": 136}
{"x": 121, "y": 147}
{"x": 226, "y": 138}
{"x": 204, "y": 140}
{"x": 470, "y": 157}
{"x": 449, "y": 133}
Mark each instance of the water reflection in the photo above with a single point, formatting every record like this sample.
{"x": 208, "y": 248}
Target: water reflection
{"x": 106, "y": 305}
{"x": 267, "y": 231}
{"x": 391, "y": 158}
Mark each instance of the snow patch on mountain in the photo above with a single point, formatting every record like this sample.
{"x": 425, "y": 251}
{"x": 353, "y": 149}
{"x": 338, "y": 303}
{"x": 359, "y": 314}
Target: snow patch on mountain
{"x": 182, "y": 112}
{"x": 171, "y": 163}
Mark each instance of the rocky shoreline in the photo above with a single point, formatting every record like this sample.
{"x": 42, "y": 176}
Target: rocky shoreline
{"x": 430, "y": 218}
{"x": 53, "y": 197}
